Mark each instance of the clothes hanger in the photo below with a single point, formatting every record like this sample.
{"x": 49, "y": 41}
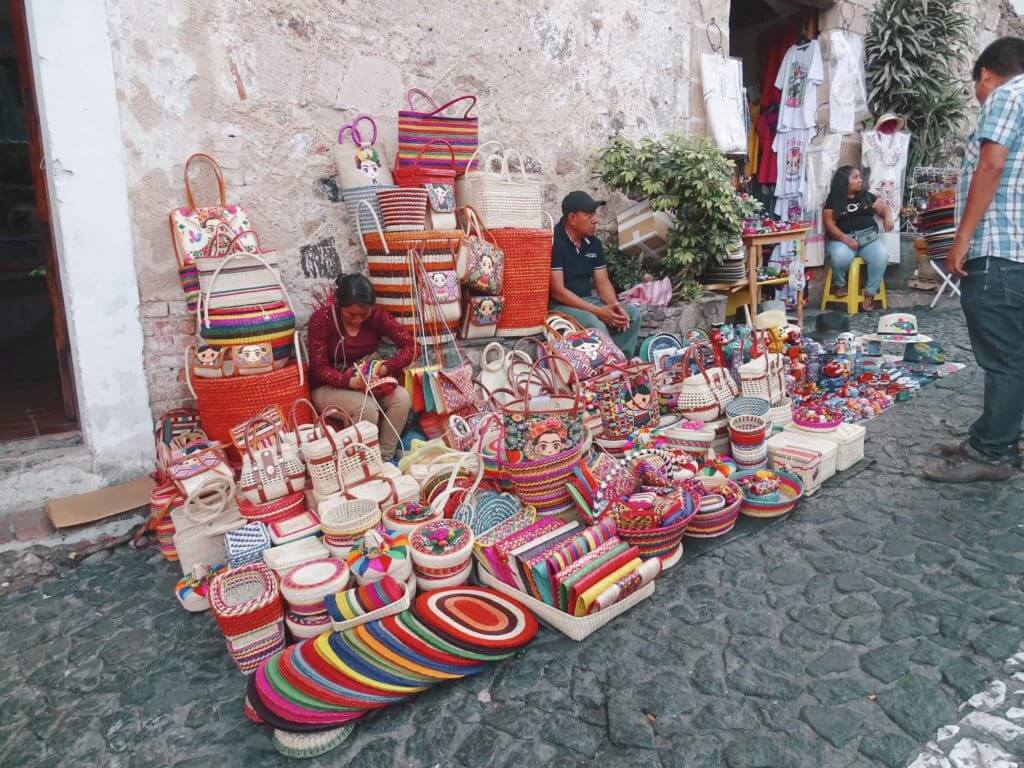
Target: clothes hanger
{"x": 719, "y": 35}
{"x": 847, "y": 21}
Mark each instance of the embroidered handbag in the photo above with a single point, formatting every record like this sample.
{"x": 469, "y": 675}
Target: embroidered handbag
{"x": 200, "y": 523}
{"x": 704, "y": 395}
{"x": 481, "y": 317}
{"x": 441, "y": 206}
{"x": 251, "y": 359}
{"x": 210, "y": 362}
{"x": 361, "y": 162}
{"x": 195, "y": 230}
{"x": 174, "y": 430}
{"x": 417, "y": 130}
{"x": 586, "y": 351}
{"x": 193, "y": 469}
{"x": 480, "y": 264}
{"x": 545, "y": 423}
{"x": 443, "y": 286}
{"x": 270, "y": 469}
{"x": 457, "y": 389}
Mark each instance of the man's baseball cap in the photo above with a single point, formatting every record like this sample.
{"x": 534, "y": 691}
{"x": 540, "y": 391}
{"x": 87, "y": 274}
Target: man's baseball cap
{"x": 578, "y": 201}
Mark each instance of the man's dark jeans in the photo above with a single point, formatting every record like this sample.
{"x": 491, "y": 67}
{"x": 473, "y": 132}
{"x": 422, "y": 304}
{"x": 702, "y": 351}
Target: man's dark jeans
{"x": 993, "y": 304}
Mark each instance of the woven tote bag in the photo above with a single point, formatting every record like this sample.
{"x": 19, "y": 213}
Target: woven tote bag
{"x": 418, "y": 128}
{"x": 242, "y": 278}
{"x": 360, "y": 159}
{"x": 196, "y": 230}
{"x": 418, "y": 173}
{"x": 271, "y": 468}
{"x": 463, "y": 181}
{"x": 403, "y": 209}
{"x": 527, "y": 269}
{"x": 201, "y": 522}
{"x": 704, "y": 395}
{"x": 503, "y": 199}
{"x": 764, "y": 377}
{"x": 225, "y": 402}
{"x": 360, "y": 217}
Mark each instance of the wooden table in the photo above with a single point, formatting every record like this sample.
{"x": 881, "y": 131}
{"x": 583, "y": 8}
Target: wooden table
{"x": 752, "y": 286}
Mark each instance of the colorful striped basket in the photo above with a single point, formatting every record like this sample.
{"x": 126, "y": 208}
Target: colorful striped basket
{"x": 717, "y": 522}
{"x": 418, "y": 132}
{"x": 790, "y": 491}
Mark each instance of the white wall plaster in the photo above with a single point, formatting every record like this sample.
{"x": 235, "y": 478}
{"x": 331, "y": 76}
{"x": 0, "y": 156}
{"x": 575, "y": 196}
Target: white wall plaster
{"x": 92, "y": 227}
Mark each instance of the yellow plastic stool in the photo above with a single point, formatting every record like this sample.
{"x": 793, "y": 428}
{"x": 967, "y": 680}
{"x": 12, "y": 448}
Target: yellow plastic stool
{"x": 852, "y": 298}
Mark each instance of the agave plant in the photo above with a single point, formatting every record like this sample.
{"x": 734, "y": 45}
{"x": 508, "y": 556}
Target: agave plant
{"x": 914, "y": 50}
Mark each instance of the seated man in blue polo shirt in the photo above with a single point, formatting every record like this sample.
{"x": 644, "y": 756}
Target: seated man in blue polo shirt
{"x": 579, "y": 271}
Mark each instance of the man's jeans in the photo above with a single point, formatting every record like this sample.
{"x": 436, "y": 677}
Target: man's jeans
{"x": 625, "y": 340}
{"x": 993, "y": 304}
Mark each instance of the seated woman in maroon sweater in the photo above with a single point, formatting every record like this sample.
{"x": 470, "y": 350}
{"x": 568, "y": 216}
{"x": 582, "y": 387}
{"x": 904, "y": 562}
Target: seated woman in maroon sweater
{"x": 346, "y": 331}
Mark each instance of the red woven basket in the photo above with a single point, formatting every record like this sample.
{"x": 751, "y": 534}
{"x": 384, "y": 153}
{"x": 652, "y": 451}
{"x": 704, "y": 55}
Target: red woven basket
{"x": 224, "y": 403}
{"x": 525, "y": 285}
{"x": 420, "y": 173}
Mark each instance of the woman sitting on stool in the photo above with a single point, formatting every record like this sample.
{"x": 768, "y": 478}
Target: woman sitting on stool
{"x": 849, "y": 218}
{"x": 345, "y": 331}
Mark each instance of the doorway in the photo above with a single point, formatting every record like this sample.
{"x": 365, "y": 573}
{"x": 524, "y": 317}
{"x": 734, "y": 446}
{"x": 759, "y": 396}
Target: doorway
{"x": 36, "y": 386}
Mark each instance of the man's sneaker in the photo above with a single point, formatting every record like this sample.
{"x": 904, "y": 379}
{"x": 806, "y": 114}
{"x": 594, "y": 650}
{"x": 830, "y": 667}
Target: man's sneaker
{"x": 964, "y": 468}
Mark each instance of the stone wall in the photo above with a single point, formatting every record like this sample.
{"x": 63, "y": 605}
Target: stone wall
{"x": 264, "y": 90}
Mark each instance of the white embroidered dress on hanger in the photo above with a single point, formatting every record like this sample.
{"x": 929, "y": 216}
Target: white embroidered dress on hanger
{"x": 847, "y": 95}
{"x": 885, "y": 157}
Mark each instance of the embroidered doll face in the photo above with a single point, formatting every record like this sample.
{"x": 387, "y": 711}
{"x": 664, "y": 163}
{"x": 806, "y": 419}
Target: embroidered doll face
{"x": 548, "y": 444}
{"x": 590, "y": 347}
{"x": 641, "y": 398}
{"x": 251, "y": 354}
{"x": 486, "y": 264}
{"x": 487, "y": 307}
{"x": 368, "y": 162}
{"x": 208, "y": 355}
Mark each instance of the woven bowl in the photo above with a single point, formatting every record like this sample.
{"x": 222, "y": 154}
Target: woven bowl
{"x": 710, "y": 522}
{"x": 341, "y": 517}
{"x": 428, "y": 554}
{"x": 826, "y": 420}
{"x": 244, "y": 599}
{"x": 307, "y": 627}
{"x": 662, "y": 543}
{"x": 310, "y": 582}
{"x": 790, "y": 491}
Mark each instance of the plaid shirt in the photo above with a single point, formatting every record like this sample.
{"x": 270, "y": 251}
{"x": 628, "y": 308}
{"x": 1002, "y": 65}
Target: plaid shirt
{"x": 1001, "y": 230}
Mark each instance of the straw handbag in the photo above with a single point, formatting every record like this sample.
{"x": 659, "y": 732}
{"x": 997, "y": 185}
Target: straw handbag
{"x": 271, "y": 469}
{"x": 463, "y": 192}
{"x": 764, "y": 377}
{"x": 533, "y": 421}
{"x": 417, "y": 130}
{"x": 704, "y": 395}
{"x": 504, "y": 200}
{"x": 253, "y": 278}
{"x": 201, "y": 522}
{"x": 439, "y": 183}
{"x": 403, "y": 209}
{"x": 362, "y": 162}
{"x": 196, "y": 230}
{"x": 193, "y": 469}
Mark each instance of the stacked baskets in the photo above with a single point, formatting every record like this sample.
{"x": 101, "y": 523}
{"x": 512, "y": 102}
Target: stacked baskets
{"x": 345, "y": 521}
{"x": 442, "y": 553}
{"x": 304, "y": 590}
{"x": 246, "y": 602}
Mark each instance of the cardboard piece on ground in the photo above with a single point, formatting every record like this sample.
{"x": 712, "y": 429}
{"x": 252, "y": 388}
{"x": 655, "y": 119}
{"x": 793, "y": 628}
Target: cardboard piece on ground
{"x": 96, "y": 505}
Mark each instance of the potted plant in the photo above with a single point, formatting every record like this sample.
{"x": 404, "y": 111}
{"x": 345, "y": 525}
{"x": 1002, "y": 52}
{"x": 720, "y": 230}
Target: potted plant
{"x": 688, "y": 177}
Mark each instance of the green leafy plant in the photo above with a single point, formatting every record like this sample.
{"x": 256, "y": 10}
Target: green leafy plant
{"x": 688, "y": 177}
{"x": 913, "y": 50}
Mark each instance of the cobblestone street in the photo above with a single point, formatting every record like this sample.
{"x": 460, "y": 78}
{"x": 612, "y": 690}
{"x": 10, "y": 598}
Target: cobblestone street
{"x": 846, "y": 635}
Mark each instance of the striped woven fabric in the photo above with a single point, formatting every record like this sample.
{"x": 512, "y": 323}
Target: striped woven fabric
{"x": 244, "y": 282}
{"x": 416, "y": 130}
{"x": 404, "y": 209}
{"x": 272, "y": 319}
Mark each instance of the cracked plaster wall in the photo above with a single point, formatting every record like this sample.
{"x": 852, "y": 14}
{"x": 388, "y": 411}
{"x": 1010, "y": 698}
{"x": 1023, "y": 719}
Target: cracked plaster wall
{"x": 264, "y": 89}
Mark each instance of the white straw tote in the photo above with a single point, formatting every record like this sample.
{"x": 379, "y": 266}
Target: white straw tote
{"x": 764, "y": 377}
{"x": 208, "y": 513}
{"x": 240, "y": 279}
{"x": 505, "y": 200}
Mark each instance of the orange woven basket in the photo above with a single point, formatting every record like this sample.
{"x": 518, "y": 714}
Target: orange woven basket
{"x": 225, "y": 403}
{"x": 527, "y": 275}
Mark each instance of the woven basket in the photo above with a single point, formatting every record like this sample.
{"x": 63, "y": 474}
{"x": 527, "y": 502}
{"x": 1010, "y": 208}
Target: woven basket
{"x": 311, "y": 582}
{"x": 348, "y": 517}
{"x": 245, "y": 599}
{"x": 708, "y": 525}
{"x": 418, "y": 173}
{"x": 576, "y": 627}
{"x": 250, "y": 649}
{"x": 208, "y": 513}
{"x": 502, "y": 200}
{"x": 360, "y": 216}
{"x": 747, "y": 406}
{"x": 403, "y": 210}
{"x": 223, "y": 403}
{"x": 657, "y": 542}
{"x": 544, "y": 483}
{"x": 781, "y": 416}
{"x": 790, "y": 491}
{"x": 525, "y": 289}
{"x": 747, "y": 431}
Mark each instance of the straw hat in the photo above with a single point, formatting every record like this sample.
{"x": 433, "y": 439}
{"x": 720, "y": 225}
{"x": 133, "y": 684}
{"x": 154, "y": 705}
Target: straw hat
{"x": 901, "y": 122}
{"x": 897, "y": 328}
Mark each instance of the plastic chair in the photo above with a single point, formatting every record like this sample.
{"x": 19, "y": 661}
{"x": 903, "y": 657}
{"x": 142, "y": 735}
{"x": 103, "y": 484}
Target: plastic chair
{"x": 852, "y": 298}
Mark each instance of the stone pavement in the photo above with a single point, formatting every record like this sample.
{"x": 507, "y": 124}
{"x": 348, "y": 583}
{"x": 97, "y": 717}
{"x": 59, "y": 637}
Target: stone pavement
{"x": 844, "y": 636}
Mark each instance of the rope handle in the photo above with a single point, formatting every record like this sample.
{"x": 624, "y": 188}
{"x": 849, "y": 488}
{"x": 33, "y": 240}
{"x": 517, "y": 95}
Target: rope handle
{"x": 209, "y": 499}
{"x": 217, "y": 172}
{"x": 380, "y": 229}
{"x": 438, "y": 109}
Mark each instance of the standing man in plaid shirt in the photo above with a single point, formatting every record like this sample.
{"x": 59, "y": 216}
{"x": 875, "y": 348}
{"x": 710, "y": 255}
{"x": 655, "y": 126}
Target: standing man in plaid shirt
{"x": 988, "y": 257}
